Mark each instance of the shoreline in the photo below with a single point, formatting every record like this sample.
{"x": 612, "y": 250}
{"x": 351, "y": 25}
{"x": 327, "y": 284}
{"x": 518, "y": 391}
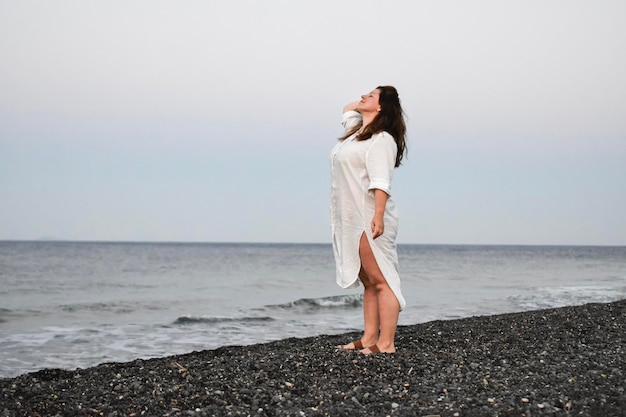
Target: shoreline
{"x": 557, "y": 362}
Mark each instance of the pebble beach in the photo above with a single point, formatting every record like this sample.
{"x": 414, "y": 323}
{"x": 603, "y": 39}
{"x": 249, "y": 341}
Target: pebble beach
{"x": 568, "y": 361}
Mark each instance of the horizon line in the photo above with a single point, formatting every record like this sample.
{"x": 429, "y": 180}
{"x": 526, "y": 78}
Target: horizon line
{"x": 53, "y": 240}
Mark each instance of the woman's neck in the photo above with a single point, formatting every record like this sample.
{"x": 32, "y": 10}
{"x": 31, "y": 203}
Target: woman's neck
{"x": 368, "y": 118}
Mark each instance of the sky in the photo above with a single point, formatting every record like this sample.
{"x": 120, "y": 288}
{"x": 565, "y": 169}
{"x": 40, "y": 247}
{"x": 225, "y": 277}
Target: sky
{"x": 212, "y": 121}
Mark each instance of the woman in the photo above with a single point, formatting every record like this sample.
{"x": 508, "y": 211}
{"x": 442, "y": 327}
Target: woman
{"x": 364, "y": 221}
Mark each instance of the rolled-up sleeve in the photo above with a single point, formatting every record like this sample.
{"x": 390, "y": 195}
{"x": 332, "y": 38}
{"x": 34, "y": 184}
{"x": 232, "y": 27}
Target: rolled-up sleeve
{"x": 380, "y": 162}
{"x": 350, "y": 119}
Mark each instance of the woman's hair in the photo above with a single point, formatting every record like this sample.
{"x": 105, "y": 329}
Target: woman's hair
{"x": 390, "y": 119}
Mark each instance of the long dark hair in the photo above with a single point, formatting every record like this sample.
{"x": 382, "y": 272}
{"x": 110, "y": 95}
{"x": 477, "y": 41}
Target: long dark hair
{"x": 390, "y": 119}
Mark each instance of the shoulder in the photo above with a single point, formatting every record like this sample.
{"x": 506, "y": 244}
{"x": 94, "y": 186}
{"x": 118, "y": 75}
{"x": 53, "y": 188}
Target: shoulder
{"x": 384, "y": 136}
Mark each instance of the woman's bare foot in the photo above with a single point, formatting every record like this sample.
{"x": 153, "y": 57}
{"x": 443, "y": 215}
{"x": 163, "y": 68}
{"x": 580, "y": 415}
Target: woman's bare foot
{"x": 376, "y": 349}
{"x": 357, "y": 344}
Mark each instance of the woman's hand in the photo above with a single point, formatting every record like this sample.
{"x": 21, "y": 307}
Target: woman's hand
{"x": 378, "y": 223}
{"x": 378, "y": 226}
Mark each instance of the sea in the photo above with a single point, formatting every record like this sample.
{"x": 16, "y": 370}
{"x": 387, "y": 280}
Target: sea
{"x": 78, "y": 304}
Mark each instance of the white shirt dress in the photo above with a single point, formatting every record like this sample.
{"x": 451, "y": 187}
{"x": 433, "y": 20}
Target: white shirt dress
{"x": 357, "y": 168}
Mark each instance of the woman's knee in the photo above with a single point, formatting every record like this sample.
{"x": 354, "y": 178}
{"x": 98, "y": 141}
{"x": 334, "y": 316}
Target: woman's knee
{"x": 381, "y": 285}
{"x": 365, "y": 279}
{"x": 374, "y": 280}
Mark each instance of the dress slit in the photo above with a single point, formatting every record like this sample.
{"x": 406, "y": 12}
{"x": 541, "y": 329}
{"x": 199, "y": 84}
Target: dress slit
{"x": 371, "y": 247}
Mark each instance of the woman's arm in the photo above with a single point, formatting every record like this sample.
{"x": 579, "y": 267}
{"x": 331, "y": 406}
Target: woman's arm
{"x": 378, "y": 223}
{"x": 351, "y": 106}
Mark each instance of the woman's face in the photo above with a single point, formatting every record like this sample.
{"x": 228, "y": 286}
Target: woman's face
{"x": 369, "y": 102}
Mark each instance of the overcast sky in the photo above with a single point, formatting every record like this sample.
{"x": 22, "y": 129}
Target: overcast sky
{"x": 147, "y": 120}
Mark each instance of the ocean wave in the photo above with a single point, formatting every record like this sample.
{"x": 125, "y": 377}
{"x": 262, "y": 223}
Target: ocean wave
{"x": 336, "y": 301}
{"x": 7, "y": 314}
{"x": 4, "y": 312}
{"x": 186, "y": 320}
{"x": 553, "y": 297}
{"x": 119, "y": 307}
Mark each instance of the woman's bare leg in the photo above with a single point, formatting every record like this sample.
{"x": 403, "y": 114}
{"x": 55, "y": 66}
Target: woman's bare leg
{"x": 370, "y": 314}
{"x": 386, "y": 301}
